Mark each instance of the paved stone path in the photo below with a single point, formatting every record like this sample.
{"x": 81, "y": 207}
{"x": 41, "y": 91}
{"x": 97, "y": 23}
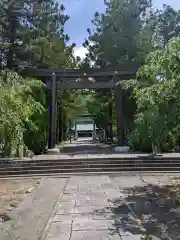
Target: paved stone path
{"x": 99, "y": 208}
{"x": 87, "y": 148}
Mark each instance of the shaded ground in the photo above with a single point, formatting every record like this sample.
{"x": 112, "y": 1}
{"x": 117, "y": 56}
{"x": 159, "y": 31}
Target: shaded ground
{"x": 151, "y": 207}
{"x": 85, "y": 146}
{"x": 12, "y": 192}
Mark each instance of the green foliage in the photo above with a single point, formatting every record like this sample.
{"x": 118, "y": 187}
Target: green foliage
{"x": 20, "y": 112}
{"x": 26, "y": 28}
{"x": 157, "y": 118}
{"x": 72, "y": 103}
{"x": 120, "y": 35}
{"x": 166, "y": 25}
{"x": 100, "y": 109}
{"x": 132, "y": 31}
{"x": 32, "y": 34}
{"x": 35, "y": 135}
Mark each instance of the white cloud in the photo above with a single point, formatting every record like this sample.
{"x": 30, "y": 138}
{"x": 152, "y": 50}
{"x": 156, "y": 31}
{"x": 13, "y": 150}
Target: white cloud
{"x": 80, "y": 52}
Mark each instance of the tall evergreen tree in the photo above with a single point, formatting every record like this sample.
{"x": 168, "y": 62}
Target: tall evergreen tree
{"x": 120, "y": 37}
{"x": 117, "y": 32}
{"x": 26, "y": 24}
{"x": 166, "y": 25}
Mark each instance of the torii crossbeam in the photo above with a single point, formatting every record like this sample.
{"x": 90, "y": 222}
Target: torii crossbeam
{"x": 92, "y": 78}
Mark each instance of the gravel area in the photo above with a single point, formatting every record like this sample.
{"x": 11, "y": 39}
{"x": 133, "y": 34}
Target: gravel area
{"x": 12, "y": 192}
{"x": 29, "y": 219}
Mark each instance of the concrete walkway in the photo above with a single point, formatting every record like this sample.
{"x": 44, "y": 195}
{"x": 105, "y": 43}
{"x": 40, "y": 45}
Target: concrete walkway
{"x": 122, "y": 207}
{"x": 85, "y": 146}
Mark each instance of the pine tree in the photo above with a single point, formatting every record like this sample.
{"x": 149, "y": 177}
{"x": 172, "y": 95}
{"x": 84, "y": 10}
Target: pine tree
{"x": 166, "y": 25}
{"x": 120, "y": 37}
{"x": 117, "y": 32}
{"x": 25, "y": 25}
{"x": 32, "y": 34}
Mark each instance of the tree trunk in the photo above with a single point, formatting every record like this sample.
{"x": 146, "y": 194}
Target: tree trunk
{"x": 155, "y": 148}
{"x": 64, "y": 133}
{"x": 20, "y": 151}
{"x": 106, "y": 135}
{"x": 7, "y": 149}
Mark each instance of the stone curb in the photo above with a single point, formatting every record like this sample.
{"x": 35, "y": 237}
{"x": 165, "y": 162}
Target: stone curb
{"x": 50, "y": 221}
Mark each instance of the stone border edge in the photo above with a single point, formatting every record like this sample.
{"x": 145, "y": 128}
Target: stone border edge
{"x": 45, "y": 231}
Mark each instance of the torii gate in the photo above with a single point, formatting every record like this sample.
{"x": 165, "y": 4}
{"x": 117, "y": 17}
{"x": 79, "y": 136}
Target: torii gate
{"x": 92, "y": 78}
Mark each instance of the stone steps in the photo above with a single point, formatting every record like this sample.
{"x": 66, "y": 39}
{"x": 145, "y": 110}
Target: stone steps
{"x": 74, "y": 162}
{"x": 86, "y": 158}
{"x": 87, "y": 170}
{"x": 87, "y": 165}
{"x": 110, "y": 173}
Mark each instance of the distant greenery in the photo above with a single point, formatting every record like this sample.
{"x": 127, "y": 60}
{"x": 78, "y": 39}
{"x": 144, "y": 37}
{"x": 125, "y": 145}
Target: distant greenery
{"x": 131, "y": 31}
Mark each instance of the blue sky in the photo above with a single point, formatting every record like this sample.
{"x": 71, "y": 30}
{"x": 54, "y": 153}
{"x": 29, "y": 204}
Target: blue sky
{"x": 81, "y": 13}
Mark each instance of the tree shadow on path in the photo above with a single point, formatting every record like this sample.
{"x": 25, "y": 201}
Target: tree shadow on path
{"x": 150, "y": 209}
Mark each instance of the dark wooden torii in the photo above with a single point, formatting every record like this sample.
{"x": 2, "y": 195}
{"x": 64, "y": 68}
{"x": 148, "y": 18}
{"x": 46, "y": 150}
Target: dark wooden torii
{"x": 92, "y": 78}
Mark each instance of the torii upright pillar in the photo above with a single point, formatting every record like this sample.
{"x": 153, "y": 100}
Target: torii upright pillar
{"x": 52, "y": 113}
{"x": 119, "y": 114}
{"x": 94, "y": 130}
